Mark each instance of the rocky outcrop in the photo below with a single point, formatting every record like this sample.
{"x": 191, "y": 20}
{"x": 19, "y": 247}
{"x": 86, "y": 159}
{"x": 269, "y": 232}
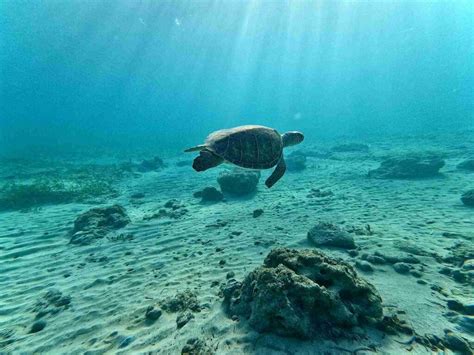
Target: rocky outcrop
{"x": 413, "y": 167}
{"x": 305, "y": 294}
{"x": 330, "y": 235}
{"x": 239, "y": 182}
{"x": 97, "y": 222}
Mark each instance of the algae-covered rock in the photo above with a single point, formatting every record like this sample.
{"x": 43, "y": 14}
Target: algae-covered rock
{"x": 330, "y": 235}
{"x": 97, "y": 222}
{"x": 239, "y": 182}
{"x": 409, "y": 167}
{"x": 305, "y": 294}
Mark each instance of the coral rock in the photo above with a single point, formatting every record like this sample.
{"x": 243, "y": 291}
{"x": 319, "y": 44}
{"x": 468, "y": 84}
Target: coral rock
{"x": 303, "y": 293}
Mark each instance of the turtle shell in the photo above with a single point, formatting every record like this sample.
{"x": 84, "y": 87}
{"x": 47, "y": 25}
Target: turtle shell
{"x": 253, "y": 147}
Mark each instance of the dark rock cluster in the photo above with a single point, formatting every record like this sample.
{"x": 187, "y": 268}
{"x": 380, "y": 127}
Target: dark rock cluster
{"x": 184, "y": 303}
{"x": 239, "y": 182}
{"x": 305, "y": 294}
{"x": 173, "y": 209}
{"x": 97, "y": 222}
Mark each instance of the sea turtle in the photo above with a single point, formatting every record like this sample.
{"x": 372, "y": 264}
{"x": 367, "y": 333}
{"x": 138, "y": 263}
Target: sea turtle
{"x": 252, "y": 147}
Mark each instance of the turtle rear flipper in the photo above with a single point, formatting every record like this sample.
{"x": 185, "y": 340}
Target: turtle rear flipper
{"x": 196, "y": 148}
{"x": 206, "y": 160}
{"x": 277, "y": 173}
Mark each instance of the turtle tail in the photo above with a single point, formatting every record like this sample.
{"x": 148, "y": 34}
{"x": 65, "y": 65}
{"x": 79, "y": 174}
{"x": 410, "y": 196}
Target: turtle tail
{"x": 195, "y": 149}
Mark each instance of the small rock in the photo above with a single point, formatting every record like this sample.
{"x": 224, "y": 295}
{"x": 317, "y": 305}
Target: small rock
{"x": 468, "y": 198}
{"x": 446, "y": 271}
{"x": 457, "y": 343}
{"x": 401, "y": 268}
{"x": 183, "y": 319}
{"x": 409, "y": 167}
{"x": 329, "y": 234}
{"x": 38, "y": 326}
{"x": 151, "y": 165}
{"x": 295, "y": 162}
{"x": 466, "y": 165}
{"x": 209, "y": 194}
{"x": 153, "y": 314}
{"x": 375, "y": 259}
{"x": 125, "y": 341}
{"x": 138, "y": 195}
{"x": 416, "y": 273}
{"x": 257, "y": 213}
{"x": 468, "y": 264}
{"x": 364, "y": 266}
{"x": 221, "y": 262}
{"x": 230, "y": 275}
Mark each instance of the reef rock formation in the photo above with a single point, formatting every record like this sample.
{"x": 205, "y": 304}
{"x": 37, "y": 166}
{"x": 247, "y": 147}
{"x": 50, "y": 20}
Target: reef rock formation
{"x": 239, "y": 182}
{"x": 330, "y": 235}
{"x": 305, "y": 294}
{"x": 413, "y": 167}
{"x": 97, "y": 222}
{"x": 468, "y": 198}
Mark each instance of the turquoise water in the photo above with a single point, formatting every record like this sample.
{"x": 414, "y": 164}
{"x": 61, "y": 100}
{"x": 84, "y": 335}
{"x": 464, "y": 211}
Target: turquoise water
{"x": 110, "y": 241}
{"x": 128, "y": 72}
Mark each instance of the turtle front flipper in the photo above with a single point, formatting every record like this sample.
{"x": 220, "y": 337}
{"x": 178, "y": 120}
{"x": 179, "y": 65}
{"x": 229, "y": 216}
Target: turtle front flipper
{"x": 206, "y": 160}
{"x": 277, "y": 173}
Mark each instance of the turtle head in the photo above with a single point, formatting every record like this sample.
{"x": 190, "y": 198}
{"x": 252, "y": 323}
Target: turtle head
{"x": 292, "y": 138}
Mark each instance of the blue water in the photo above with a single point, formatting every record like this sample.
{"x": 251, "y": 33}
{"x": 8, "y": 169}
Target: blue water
{"x": 166, "y": 73}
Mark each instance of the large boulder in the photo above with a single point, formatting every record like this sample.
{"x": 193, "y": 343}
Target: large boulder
{"x": 412, "y": 167}
{"x": 330, "y": 235}
{"x": 238, "y": 182}
{"x": 305, "y": 294}
{"x": 97, "y": 222}
{"x": 468, "y": 198}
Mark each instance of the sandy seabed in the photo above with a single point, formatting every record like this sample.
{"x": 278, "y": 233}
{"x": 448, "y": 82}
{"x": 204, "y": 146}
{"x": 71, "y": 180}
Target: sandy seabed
{"x": 111, "y": 282}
